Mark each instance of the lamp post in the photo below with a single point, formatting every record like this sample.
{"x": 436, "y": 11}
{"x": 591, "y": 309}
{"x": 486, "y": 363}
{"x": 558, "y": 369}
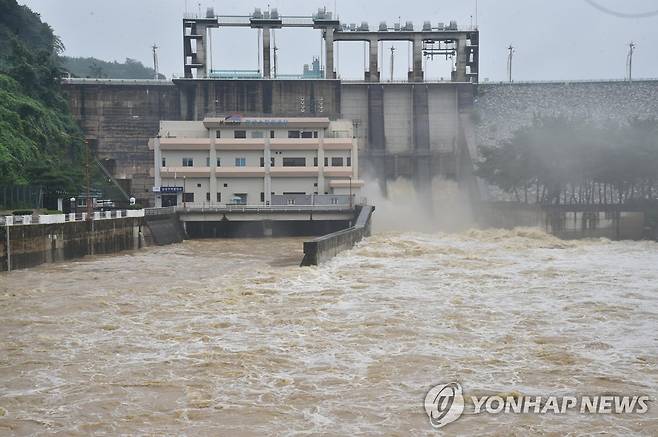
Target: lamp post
{"x": 184, "y": 185}
{"x": 350, "y": 192}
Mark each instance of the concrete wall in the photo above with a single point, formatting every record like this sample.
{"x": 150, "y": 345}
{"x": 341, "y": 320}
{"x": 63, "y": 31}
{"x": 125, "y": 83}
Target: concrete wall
{"x": 31, "y": 245}
{"x": 286, "y": 98}
{"x": 500, "y": 109}
{"x": 328, "y": 246}
{"x": 559, "y": 221}
{"x": 118, "y": 119}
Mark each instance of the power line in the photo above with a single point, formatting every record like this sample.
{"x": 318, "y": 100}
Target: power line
{"x": 621, "y": 14}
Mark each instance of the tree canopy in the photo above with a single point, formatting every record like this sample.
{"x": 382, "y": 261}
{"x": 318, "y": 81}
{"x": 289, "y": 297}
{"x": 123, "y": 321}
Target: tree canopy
{"x": 40, "y": 143}
{"x": 559, "y": 160}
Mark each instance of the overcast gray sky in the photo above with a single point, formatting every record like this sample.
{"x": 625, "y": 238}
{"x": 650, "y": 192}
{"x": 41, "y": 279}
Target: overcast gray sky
{"x": 554, "y": 39}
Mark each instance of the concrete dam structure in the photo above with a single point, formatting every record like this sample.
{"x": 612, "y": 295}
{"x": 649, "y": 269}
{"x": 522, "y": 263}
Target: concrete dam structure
{"x": 416, "y": 129}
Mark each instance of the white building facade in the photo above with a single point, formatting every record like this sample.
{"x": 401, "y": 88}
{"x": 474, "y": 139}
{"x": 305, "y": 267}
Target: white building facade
{"x": 255, "y": 161}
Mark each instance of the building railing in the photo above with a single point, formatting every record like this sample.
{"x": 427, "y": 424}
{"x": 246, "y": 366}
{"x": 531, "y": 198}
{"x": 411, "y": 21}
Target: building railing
{"x": 13, "y": 220}
{"x": 211, "y": 208}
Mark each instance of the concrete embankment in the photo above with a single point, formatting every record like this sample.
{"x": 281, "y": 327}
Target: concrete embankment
{"x": 163, "y": 229}
{"x": 615, "y": 222}
{"x": 326, "y": 247}
{"x": 24, "y": 246}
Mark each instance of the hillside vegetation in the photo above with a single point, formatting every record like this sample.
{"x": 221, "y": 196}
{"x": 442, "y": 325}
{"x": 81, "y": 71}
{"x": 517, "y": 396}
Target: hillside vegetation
{"x": 96, "y": 68}
{"x": 40, "y": 143}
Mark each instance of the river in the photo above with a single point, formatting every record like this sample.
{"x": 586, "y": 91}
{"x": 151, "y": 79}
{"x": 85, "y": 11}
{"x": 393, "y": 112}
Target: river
{"x": 231, "y": 337}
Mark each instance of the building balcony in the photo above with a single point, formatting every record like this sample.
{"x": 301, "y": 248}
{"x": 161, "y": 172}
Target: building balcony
{"x": 189, "y": 172}
{"x": 337, "y": 144}
{"x": 184, "y": 144}
{"x": 294, "y": 172}
{"x": 294, "y": 143}
{"x": 240, "y": 172}
{"x": 338, "y": 171}
{"x": 239, "y": 144}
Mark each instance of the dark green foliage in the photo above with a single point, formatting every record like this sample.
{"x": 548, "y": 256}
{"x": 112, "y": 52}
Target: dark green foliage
{"x": 95, "y": 68}
{"x": 559, "y": 160}
{"x": 40, "y": 143}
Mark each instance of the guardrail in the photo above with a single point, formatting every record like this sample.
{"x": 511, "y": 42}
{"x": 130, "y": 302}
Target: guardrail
{"x": 14, "y": 220}
{"x": 192, "y": 207}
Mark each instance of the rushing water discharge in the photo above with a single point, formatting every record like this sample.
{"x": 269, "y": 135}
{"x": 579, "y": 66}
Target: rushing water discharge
{"x": 231, "y": 337}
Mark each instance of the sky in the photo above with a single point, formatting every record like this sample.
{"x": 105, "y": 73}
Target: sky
{"x": 552, "y": 39}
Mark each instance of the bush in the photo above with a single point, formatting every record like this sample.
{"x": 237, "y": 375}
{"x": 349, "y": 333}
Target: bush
{"x": 22, "y": 212}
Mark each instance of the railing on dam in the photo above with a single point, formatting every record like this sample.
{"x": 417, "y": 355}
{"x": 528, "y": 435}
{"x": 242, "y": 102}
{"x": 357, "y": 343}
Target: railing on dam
{"x": 14, "y": 220}
{"x": 224, "y": 208}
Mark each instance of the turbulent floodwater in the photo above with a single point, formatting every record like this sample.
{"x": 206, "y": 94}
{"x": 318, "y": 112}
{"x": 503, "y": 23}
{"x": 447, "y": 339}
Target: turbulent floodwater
{"x": 230, "y": 337}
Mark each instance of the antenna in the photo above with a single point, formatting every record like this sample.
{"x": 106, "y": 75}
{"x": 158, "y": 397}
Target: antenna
{"x": 510, "y": 56}
{"x": 155, "y": 61}
{"x": 629, "y": 61}
{"x": 392, "y": 60}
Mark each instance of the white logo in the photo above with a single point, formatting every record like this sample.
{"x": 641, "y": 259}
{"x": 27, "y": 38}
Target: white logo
{"x": 444, "y": 404}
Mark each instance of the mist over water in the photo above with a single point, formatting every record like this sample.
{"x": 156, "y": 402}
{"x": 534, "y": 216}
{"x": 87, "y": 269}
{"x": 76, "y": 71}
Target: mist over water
{"x": 402, "y": 207}
{"x": 231, "y": 337}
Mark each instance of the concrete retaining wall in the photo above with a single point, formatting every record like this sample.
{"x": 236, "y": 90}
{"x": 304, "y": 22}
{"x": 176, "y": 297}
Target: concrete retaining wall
{"x": 328, "y": 246}
{"x": 31, "y": 245}
{"x": 569, "y": 224}
{"x": 163, "y": 229}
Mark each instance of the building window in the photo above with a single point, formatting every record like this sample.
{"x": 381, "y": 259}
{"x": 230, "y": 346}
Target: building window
{"x": 188, "y": 197}
{"x": 241, "y": 134}
{"x": 293, "y": 134}
{"x": 307, "y": 134}
{"x": 337, "y": 161}
{"x": 164, "y": 162}
{"x": 241, "y": 162}
{"x": 218, "y": 134}
{"x": 208, "y": 161}
{"x": 257, "y": 134}
{"x": 294, "y": 162}
{"x": 240, "y": 198}
{"x": 262, "y": 161}
{"x": 272, "y": 162}
{"x": 349, "y": 161}
{"x": 225, "y": 185}
{"x": 219, "y": 162}
{"x": 271, "y": 134}
{"x": 315, "y": 134}
{"x": 326, "y": 161}
{"x": 315, "y": 185}
{"x": 188, "y": 162}
{"x": 262, "y": 197}
{"x": 198, "y": 185}
{"x": 208, "y": 197}
{"x": 219, "y": 197}
{"x": 315, "y": 161}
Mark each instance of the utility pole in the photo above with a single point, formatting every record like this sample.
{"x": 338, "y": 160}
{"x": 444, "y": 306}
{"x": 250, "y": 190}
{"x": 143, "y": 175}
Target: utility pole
{"x": 629, "y": 61}
{"x": 392, "y": 60}
{"x": 510, "y": 57}
{"x": 90, "y": 207}
{"x": 276, "y": 49}
{"x": 155, "y": 61}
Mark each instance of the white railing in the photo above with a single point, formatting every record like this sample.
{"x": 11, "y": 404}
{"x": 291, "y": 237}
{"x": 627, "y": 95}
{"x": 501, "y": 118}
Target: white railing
{"x": 13, "y": 220}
